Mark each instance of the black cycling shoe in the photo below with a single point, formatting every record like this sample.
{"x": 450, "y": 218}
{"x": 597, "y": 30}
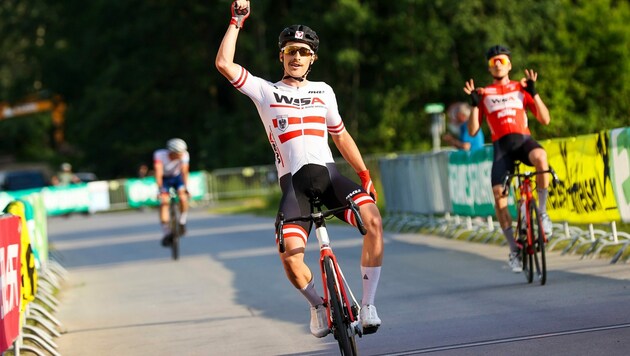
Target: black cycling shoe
{"x": 182, "y": 229}
{"x": 167, "y": 240}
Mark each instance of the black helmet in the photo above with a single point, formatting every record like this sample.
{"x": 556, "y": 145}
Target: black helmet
{"x": 497, "y": 50}
{"x": 299, "y": 33}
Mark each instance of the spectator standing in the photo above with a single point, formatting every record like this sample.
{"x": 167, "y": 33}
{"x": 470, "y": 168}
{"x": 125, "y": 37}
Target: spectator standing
{"x": 457, "y": 134}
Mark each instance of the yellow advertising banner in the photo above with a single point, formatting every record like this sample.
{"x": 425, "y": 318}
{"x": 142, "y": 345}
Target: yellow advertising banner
{"x": 585, "y": 193}
{"x": 28, "y": 272}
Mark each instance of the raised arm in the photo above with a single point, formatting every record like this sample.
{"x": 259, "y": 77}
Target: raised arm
{"x": 528, "y": 82}
{"x": 225, "y": 56}
{"x": 473, "y": 121}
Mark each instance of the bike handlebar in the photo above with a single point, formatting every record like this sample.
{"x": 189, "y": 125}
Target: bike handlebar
{"x": 317, "y": 217}
{"x": 508, "y": 177}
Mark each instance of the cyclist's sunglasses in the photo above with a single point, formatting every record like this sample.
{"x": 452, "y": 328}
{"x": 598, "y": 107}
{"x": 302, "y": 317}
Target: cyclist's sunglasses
{"x": 493, "y": 61}
{"x": 292, "y": 50}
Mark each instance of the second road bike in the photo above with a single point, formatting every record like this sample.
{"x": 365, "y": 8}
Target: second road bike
{"x": 529, "y": 229}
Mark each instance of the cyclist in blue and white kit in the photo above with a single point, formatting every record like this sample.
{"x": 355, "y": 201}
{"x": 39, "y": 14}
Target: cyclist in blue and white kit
{"x": 171, "y": 166}
{"x": 298, "y": 115}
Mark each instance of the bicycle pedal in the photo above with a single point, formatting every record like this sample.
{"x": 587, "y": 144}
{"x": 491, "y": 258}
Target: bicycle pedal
{"x": 357, "y": 329}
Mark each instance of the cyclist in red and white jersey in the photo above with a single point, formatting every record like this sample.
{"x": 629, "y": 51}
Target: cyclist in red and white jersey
{"x": 504, "y": 105}
{"x": 298, "y": 116}
{"x": 171, "y": 166}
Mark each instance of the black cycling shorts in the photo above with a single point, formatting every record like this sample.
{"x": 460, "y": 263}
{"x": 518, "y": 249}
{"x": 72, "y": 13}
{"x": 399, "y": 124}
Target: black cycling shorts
{"x": 507, "y": 150}
{"x": 312, "y": 179}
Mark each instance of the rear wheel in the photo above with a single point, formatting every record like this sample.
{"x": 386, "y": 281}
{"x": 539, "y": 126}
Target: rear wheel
{"x": 175, "y": 230}
{"x": 539, "y": 245}
{"x": 341, "y": 321}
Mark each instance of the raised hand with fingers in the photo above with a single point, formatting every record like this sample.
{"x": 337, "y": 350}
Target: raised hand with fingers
{"x": 528, "y": 82}
{"x": 469, "y": 88}
{"x": 240, "y": 12}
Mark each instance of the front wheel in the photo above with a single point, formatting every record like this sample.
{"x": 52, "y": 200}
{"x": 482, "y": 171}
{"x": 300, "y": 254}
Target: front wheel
{"x": 175, "y": 230}
{"x": 528, "y": 250}
{"x": 538, "y": 240}
{"x": 342, "y": 328}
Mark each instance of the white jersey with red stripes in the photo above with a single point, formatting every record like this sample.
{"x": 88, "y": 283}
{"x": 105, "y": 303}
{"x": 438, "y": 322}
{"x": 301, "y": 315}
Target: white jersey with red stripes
{"x": 297, "y": 119}
{"x": 172, "y": 167}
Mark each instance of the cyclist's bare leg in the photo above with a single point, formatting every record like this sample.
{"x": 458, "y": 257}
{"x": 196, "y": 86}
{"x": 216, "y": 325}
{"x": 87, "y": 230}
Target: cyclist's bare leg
{"x": 371, "y": 261}
{"x": 296, "y": 270}
{"x": 372, "y": 253}
{"x": 503, "y": 215}
{"x": 538, "y": 157}
{"x": 163, "y": 211}
{"x": 183, "y": 205}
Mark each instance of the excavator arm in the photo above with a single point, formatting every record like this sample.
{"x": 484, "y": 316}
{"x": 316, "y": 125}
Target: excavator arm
{"x": 55, "y": 106}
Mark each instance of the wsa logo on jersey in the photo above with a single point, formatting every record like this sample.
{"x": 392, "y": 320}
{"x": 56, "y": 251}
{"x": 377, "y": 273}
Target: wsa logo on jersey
{"x": 282, "y": 99}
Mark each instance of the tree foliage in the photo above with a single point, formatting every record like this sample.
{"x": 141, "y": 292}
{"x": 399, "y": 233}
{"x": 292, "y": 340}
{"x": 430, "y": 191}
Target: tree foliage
{"x": 135, "y": 73}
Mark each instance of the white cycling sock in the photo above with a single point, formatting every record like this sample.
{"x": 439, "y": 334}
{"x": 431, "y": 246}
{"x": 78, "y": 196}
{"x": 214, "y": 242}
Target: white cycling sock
{"x": 311, "y": 294}
{"x": 166, "y": 229}
{"x": 542, "y": 200}
{"x": 509, "y": 236}
{"x": 370, "y": 277}
{"x": 182, "y": 218}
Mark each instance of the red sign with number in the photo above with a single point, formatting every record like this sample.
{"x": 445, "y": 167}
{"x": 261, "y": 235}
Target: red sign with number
{"x": 10, "y": 281}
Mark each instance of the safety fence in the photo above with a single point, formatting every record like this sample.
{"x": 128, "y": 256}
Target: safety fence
{"x": 449, "y": 192}
{"x": 29, "y": 278}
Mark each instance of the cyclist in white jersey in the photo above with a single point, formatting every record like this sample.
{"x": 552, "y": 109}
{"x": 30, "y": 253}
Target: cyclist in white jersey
{"x": 171, "y": 166}
{"x": 298, "y": 115}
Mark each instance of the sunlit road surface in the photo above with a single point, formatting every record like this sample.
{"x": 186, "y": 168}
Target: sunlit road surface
{"x": 228, "y": 295}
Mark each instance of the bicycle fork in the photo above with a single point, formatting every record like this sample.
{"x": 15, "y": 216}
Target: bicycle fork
{"x": 352, "y": 309}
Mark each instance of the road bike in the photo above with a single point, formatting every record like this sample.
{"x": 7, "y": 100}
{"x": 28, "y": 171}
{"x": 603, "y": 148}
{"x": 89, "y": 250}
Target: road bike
{"x": 176, "y": 228}
{"x": 342, "y": 308}
{"x": 531, "y": 236}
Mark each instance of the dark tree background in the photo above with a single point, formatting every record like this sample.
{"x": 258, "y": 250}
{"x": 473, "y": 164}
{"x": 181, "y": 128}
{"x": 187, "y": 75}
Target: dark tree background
{"x": 135, "y": 73}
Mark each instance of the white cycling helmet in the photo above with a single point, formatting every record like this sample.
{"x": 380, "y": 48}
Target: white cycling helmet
{"x": 176, "y": 145}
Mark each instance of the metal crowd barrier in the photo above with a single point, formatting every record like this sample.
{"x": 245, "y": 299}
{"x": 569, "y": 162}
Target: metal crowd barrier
{"x": 417, "y": 198}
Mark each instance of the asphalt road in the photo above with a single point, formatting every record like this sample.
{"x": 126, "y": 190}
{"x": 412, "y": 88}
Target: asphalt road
{"x": 228, "y": 295}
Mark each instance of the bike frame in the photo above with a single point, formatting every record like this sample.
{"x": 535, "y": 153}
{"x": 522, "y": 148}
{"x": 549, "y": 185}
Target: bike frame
{"x": 326, "y": 251}
{"x": 345, "y": 326}
{"x": 526, "y": 198}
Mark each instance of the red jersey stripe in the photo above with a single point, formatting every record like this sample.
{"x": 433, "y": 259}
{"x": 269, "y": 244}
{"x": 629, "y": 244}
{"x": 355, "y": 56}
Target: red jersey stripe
{"x": 289, "y": 135}
{"x": 291, "y": 120}
{"x": 314, "y": 119}
{"x": 241, "y": 79}
{"x": 314, "y": 132}
{"x": 296, "y": 133}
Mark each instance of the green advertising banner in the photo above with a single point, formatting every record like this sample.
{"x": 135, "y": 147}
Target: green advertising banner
{"x": 144, "y": 191}
{"x": 620, "y": 169}
{"x": 38, "y": 228}
{"x": 61, "y": 200}
{"x": 469, "y": 182}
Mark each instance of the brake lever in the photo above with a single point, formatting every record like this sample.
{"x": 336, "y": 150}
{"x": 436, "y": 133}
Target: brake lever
{"x": 281, "y": 247}
{"x": 506, "y": 180}
{"x": 357, "y": 216}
